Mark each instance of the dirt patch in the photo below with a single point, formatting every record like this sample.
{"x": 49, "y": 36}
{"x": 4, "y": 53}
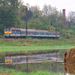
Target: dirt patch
{"x": 26, "y": 44}
{"x": 32, "y": 40}
{"x": 69, "y": 56}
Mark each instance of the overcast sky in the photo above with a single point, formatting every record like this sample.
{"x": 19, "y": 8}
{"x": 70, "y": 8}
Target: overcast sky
{"x": 69, "y": 5}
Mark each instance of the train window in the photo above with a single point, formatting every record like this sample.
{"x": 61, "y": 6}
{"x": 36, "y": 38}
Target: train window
{"x": 42, "y": 33}
{"x": 53, "y": 33}
{"x": 33, "y": 33}
{"x": 29, "y": 33}
{"x": 57, "y": 33}
{"x": 13, "y": 32}
{"x": 47, "y": 33}
{"x": 37, "y": 33}
{"x": 17, "y": 32}
{"x": 23, "y": 32}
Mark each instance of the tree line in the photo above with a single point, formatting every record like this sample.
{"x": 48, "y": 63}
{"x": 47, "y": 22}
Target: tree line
{"x": 49, "y": 18}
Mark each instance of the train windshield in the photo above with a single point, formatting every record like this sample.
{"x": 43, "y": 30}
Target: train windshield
{"x": 8, "y": 30}
{"x": 5, "y": 29}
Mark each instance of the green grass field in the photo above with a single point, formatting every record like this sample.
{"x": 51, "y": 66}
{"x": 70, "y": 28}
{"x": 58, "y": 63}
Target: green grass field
{"x": 28, "y": 48}
{"x": 35, "y": 44}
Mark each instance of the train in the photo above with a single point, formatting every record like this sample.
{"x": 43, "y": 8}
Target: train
{"x": 21, "y": 33}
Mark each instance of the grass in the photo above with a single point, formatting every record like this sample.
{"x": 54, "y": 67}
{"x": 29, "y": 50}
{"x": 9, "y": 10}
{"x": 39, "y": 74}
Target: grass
{"x": 35, "y": 44}
{"x": 28, "y": 48}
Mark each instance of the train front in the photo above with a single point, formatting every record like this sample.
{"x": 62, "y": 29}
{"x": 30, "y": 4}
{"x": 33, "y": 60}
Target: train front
{"x": 7, "y": 32}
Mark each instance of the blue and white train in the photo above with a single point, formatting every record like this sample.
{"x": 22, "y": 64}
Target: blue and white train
{"x": 21, "y": 33}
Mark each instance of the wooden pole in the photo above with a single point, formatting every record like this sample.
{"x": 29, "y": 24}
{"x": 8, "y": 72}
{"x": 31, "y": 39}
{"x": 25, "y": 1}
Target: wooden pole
{"x": 26, "y": 19}
{"x": 26, "y": 26}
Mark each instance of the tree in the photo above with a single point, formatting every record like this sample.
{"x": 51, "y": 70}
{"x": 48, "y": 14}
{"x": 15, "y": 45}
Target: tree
{"x": 52, "y": 19}
{"x": 25, "y": 13}
{"x": 4, "y": 4}
{"x": 48, "y": 10}
{"x": 2, "y": 29}
{"x": 44, "y": 21}
{"x": 35, "y": 23}
{"x": 36, "y": 11}
{"x": 14, "y": 4}
{"x": 71, "y": 19}
{"x": 7, "y": 17}
{"x": 8, "y": 12}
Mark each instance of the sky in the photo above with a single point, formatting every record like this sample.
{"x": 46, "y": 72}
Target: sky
{"x": 68, "y": 5}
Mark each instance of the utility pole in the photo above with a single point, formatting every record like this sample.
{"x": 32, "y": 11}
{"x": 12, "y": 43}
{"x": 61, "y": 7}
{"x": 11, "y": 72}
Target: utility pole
{"x": 26, "y": 19}
{"x": 15, "y": 27}
{"x": 56, "y": 29}
{"x": 26, "y": 25}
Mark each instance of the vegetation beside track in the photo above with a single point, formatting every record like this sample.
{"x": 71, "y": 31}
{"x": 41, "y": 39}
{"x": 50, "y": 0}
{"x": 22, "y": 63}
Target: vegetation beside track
{"x": 35, "y": 44}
